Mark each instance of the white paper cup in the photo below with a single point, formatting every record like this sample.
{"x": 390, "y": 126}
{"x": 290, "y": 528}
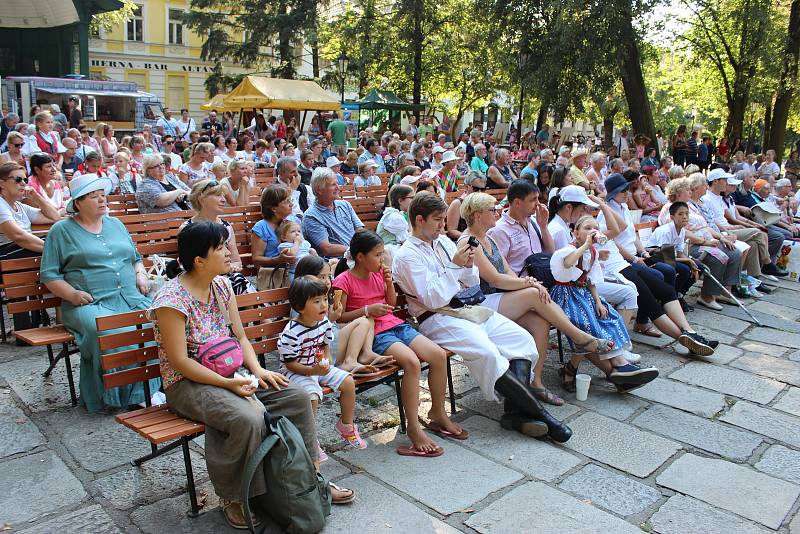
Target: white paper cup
{"x": 582, "y": 386}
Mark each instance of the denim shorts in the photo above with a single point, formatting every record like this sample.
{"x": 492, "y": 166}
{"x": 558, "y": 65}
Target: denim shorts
{"x": 402, "y": 333}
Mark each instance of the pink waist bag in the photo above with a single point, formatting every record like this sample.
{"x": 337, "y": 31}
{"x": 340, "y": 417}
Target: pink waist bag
{"x": 223, "y": 355}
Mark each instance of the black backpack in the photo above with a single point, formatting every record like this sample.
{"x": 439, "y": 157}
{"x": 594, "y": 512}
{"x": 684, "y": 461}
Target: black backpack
{"x": 537, "y": 265}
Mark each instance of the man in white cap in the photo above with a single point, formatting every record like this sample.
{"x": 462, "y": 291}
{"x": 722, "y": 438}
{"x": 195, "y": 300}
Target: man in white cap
{"x": 718, "y": 214}
{"x": 436, "y": 161}
{"x": 335, "y": 164}
{"x": 448, "y": 176}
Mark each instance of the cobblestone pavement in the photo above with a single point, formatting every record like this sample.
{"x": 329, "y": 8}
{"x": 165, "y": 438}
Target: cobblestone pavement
{"x": 711, "y": 446}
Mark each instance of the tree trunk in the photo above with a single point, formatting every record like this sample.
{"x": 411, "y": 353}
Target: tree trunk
{"x": 767, "y": 125}
{"x": 783, "y": 100}
{"x": 285, "y": 50}
{"x": 630, "y": 63}
{"x": 417, "y": 38}
{"x": 541, "y": 118}
{"x": 735, "y": 123}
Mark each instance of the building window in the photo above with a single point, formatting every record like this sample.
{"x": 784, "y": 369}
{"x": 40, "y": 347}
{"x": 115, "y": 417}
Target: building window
{"x": 175, "y": 27}
{"x": 136, "y": 26}
{"x": 176, "y": 92}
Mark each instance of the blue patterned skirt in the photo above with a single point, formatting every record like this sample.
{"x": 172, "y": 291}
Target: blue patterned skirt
{"x": 578, "y": 305}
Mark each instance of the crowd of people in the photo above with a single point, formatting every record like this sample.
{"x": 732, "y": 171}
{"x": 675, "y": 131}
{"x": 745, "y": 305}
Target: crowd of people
{"x": 560, "y": 250}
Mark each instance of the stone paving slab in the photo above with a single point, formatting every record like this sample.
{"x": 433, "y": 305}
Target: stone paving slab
{"x": 727, "y": 441}
{"x": 679, "y": 395}
{"x": 685, "y": 515}
{"x": 765, "y": 319}
{"x": 89, "y": 519}
{"x": 39, "y": 394}
{"x": 396, "y": 514}
{"x": 724, "y": 354}
{"x": 782, "y": 300}
{"x": 35, "y": 485}
{"x": 614, "y": 492}
{"x": 770, "y": 423}
{"x": 89, "y": 437}
{"x": 432, "y": 480}
{"x": 781, "y": 310}
{"x": 620, "y": 445}
{"x": 794, "y": 526}
{"x": 19, "y": 434}
{"x": 537, "y": 458}
{"x": 547, "y": 511}
{"x": 779, "y": 369}
{"x": 781, "y": 462}
{"x": 729, "y": 381}
{"x": 774, "y": 337}
{"x": 735, "y": 488}
{"x": 605, "y": 400}
{"x": 761, "y": 348}
{"x": 710, "y": 319}
{"x": 789, "y": 402}
{"x": 154, "y": 479}
{"x": 794, "y": 356}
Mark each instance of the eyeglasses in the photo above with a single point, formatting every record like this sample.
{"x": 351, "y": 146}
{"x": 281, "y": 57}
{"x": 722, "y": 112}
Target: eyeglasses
{"x": 169, "y": 142}
{"x": 21, "y": 179}
{"x": 156, "y": 166}
{"x": 479, "y": 189}
{"x": 209, "y": 185}
{"x": 15, "y": 145}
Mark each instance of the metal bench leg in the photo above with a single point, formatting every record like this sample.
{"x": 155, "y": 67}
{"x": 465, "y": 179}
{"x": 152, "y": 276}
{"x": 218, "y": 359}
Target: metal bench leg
{"x": 3, "y": 323}
{"x": 70, "y": 380}
{"x": 50, "y": 357}
{"x": 194, "y": 511}
{"x": 400, "y": 405}
{"x": 450, "y": 388}
{"x": 61, "y": 354}
{"x": 156, "y": 453}
{"x": 560, "y": 347}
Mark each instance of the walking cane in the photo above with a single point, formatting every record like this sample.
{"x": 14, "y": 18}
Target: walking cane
{"x": 707, "y": 272}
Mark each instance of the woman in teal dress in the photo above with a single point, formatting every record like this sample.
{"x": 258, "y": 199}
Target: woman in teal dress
{"x": 90, "y": 262}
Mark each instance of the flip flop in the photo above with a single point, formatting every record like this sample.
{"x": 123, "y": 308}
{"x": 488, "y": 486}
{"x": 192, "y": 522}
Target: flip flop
{"x": 648, "y": 330}
{"x": 437, "y": 429}
{"x": 348, "y": 498}
{"x": 411, "y": 450}
{"x": 360, "y": 370}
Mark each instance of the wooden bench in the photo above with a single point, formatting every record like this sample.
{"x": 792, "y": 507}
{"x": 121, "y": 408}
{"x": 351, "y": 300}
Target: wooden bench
{"x": 28, "y": 294}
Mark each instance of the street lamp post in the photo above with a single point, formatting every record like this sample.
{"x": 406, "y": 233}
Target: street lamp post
{"x": 342, "y": 62}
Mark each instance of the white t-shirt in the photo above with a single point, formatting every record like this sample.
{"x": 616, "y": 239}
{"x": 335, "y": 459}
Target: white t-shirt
{"x": 196, "y": 175}
{"x": 716, "y": 205}
{"x": 571, "y": 274}
{"x": 361, "y": 182}
{"x": 667, "y": 235}
{"x": 22, "y": 214}
{"x": 186, "y": 128}
{"x": 559, "y": 230}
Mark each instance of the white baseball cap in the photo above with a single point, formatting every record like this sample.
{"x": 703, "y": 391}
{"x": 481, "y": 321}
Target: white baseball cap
{"x": 718, "y": 174}
{"x": 437, "y": 149}
{"x": 332, "y": 161}
{"x": 576, "y": 193}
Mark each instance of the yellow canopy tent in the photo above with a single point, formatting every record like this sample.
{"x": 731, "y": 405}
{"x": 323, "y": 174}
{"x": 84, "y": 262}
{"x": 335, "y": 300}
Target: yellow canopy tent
{"x": 258, "y": 92}
{"x": 217, "y": 103}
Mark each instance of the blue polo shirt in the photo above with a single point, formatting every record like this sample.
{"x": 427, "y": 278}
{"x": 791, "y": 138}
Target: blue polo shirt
{"x": 336, "y": 226}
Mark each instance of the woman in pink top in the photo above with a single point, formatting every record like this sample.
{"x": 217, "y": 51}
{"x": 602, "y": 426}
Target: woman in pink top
{"x": 368, "y": 290}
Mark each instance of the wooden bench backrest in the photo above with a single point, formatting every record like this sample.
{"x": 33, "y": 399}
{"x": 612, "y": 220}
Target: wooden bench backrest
{"x": 645, "y": 229}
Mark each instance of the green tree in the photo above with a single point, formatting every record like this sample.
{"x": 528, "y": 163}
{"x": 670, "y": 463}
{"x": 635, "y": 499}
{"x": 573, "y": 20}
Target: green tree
{"x": 253, "y": 33}
{"x": 788, "y": 83}
{"x": 112, "y": 19}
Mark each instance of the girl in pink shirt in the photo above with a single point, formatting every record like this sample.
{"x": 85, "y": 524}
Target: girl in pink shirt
{"x": 368, "y": 290}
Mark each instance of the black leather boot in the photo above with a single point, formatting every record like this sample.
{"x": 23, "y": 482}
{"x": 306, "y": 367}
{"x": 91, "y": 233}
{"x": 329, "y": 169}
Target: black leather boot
{"x": 521, "y": 397}
{"x": 522, "y": 370}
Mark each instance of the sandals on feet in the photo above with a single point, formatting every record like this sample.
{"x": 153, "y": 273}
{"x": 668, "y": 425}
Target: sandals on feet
{"x": 348, "y": 497}
{"x": 567, "y": 374}
{"x": 439, "y": 430}
{"x": 239, "y": 523}
{"x": 647, "y": 329}
{"x": 601, "y": 346}
{"x": 547, "y": 396}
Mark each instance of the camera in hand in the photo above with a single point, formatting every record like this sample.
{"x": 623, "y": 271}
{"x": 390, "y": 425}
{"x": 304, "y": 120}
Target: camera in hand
{"x": 473, "y": 241}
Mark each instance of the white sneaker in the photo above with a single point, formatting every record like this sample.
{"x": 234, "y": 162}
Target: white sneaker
{"x": 770, "y": 277}
{"x": 632, "y": 357}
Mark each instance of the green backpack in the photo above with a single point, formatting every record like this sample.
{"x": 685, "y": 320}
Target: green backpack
{"x": 297, "y": 497}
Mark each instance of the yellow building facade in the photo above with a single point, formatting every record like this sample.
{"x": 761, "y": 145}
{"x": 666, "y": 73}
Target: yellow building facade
{"x": 158, "y": 52}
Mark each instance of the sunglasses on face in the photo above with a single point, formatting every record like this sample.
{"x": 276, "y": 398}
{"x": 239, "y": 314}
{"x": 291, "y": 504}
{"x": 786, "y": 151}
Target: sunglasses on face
{"x": 15, "y": 145}
{"x": 169, "y": 142}
{"x": 156, "y": 166}
{"x": 21, "y": 179}
{"x": 479, "y": 189}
